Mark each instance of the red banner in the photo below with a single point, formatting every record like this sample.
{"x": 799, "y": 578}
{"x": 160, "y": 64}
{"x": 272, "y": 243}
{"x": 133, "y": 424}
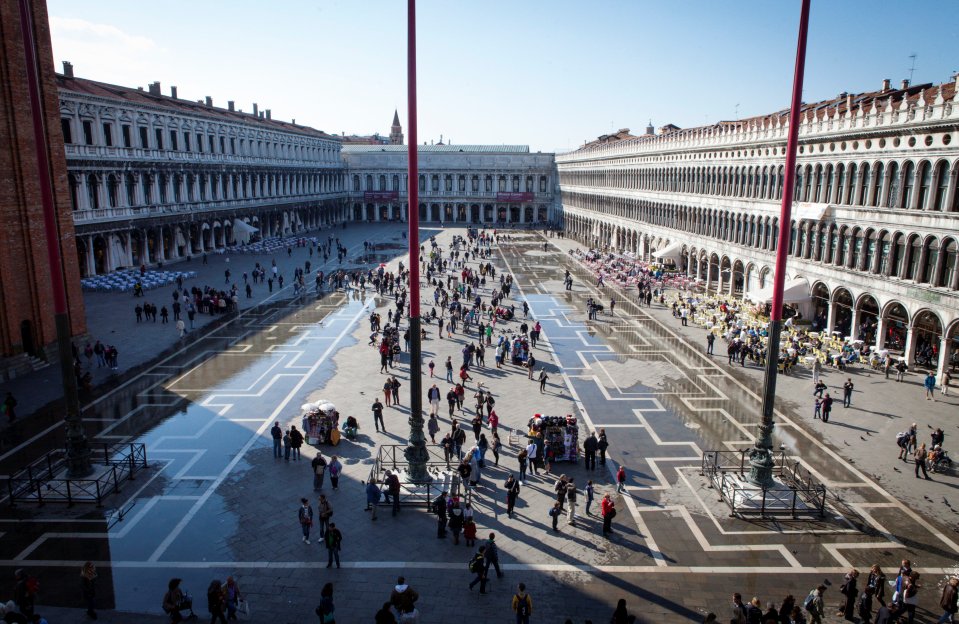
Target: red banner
{"x": 381, "y": 195}
{"x": 514, "y": 197}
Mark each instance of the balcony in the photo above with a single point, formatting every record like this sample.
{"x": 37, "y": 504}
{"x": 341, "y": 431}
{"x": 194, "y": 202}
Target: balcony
{"x": 101, "y": 153}
{"x": 102, "y": 215}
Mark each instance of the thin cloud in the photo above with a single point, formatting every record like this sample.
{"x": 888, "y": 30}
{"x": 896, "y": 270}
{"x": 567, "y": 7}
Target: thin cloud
{"x": 66, "y": 28}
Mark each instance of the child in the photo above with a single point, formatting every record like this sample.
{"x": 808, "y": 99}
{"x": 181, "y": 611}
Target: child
{"x": 469, "y": 528}
{"x": 432, "y": 365}
{"x": 818, "y": 410}
{"x": 621, "y": 479}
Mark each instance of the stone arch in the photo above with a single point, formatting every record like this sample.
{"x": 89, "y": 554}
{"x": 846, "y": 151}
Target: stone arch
{"x": 866, "y": 318}
{"x": 927, "y": 329}
{"x": 895, "y": 324}
{"x": 842, "y": 308}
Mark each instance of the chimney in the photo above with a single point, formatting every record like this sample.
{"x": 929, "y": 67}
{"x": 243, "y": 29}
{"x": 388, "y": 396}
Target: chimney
{"x": 268, "y": 114}
{"x": 849, "y": 102}
{"x": 209, "y": 101}
{"x": 886, "y": 85}
{"x": 905, "y": 85}
{"x": 173, "y": 92}
{"x": 68, "y": 69}
{"x": 155, "y": 88}
{"x": 230, "y": 105}
{"x": 255, "y": 109}
{"x": 293, "y": 121}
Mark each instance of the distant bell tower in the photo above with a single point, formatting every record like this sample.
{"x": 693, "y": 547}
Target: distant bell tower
{"x": 396, "y": 130}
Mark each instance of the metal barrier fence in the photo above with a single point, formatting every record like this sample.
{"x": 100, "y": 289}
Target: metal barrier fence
{"x": 801, "y": 496}
{"x": 444, "y": 478}
{"x": 46, "y": 480}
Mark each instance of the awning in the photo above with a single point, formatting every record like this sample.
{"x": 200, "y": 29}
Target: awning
{"x": 795, "y": 291}
{"x": 242, "y": 231}
{"x": 809, "y": 211}
{"x": 672, "y": 252}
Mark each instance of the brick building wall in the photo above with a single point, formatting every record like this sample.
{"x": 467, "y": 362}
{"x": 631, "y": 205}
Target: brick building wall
{"x": 25, "y": 291}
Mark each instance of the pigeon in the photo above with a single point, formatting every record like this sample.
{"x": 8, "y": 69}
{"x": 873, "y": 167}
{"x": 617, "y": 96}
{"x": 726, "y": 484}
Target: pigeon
{"x": 846, "y": 443}
{"x": 862, "y": 438}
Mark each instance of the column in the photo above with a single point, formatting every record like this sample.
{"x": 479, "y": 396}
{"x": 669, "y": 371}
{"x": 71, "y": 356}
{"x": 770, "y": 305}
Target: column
{"x": 910, "y": 347}
{"x": 880, "y": 331}
{"x": 854, "y": 322}
{"x": 83, "y": 192}
{"x": 91, "y": 264}
{"x": 944, "y": 344}
{"x": 830, "y": 316}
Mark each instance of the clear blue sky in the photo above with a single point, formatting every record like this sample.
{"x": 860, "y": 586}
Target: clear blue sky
{"x": 547, "y": 73}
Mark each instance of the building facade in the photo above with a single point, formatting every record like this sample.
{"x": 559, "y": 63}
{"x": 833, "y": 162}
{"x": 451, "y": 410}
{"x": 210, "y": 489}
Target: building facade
{"x": 875, "y": 223}
{"x": 458, "y": 184}
{"x": 154, "y": 178}
{"x": 27, "y": 328}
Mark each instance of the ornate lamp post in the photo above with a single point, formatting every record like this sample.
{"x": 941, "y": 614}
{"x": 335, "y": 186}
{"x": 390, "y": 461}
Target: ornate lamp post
{"x": 761, "y": 462}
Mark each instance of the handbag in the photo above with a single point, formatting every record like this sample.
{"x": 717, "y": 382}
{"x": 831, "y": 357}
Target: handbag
{"x": 243, "y": 606}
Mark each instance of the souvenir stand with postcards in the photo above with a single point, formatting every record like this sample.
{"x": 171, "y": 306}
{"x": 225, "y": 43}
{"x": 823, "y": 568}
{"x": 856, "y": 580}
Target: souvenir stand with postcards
{"x": 320, "y": 423}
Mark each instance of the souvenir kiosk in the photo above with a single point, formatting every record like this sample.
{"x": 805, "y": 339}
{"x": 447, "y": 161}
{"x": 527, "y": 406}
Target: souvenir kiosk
{"x": 562, "y": 433}
{"x": 320, "y": 423}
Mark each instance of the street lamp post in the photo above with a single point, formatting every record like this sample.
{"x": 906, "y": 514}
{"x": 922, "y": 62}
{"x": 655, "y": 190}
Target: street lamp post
{"x": 78, "y": 450}
{"x": 416, "y": 453}
{"x": 761, "y": 462}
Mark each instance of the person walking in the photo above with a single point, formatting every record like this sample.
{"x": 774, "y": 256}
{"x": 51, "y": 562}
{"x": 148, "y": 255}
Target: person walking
{"x": 378, "y": 416}
{"x": 296, "y": 441}
{"x": 554, "y": 513}
{"x": 930, "y": 385}
{"x": 373, "y": 495}
{"x": 326, "y": 610}
{"x": 847, "y": 392}
{"x": 305, "y": 515}
{"x": 522, "y": 605}
{"x": 543, "y": 378}
{"x": 336, "y": 469}
{"x": 476, "y": 567}
{"x": 826, "y": 408}
{"x": 523, "y": 459}
{"x": 231, "y": 593}
{"x": 215, "y": 602}
{"x": 512, "y": 492}
{"x": 919, "y": 457}
{"x": 710, "y": 341}
{"x": 277, "y": 433}
{"x": 287, "y": 445}
{"x": 571, "y": 502}
{"x": 814, "y": 606}
{"x": 325, "y": 510}
{"x": 433, "y": 396}
{"x": 608, "y": 510}
{"x": 492, "y": 555}
{"x": 946, "y": 380}
{"x": 532, "y": 452}
{"x": 949, "y": 601}
{"x": 589, "y": 497}
{"x": 333, "y": 541}
{"x": 590, "y": 446}
{"x": 403, "y": 598}
{"x": 88, "y": 587}
{"x": 393, "y": 491}
{"x": 621, "y": 479}
{"x": 602, "y": 446}
{"x": 439, "y": 508}
{"x": 456, "y": 522}
{"x": 319, "y": 471}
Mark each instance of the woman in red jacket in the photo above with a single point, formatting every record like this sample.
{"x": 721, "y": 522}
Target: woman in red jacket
{"x": 608, "y": 509}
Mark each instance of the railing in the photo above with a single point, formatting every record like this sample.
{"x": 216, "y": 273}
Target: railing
{"x": 801, "y": 495}
{"x": 191, "y": 207}
{"x": 46, "y": 480}
{"x": 392, "y": 457}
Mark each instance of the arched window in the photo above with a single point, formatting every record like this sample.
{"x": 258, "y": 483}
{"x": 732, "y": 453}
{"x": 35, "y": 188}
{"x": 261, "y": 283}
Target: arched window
{"x": 870, "y": 251}
{"x": 866, "y": 173}
{"x": 915, "y": 251}
{"x": 947, "y": 271}
{"x": 808, "y": 195}
{"x": 131, "y": 187}
{"x": 818, "y": 188}
{"x": 853, "y": 184}
{"x": 797, "y": 191}
{"x": 830, "y": 182}
{"x": 892, "y": 200}
{"x": 885, "y": 247}
{"x": 925, "y": 184}
{"x": 396, "y": 183}
{"x": 930, "y": 261}
{"x": 898, "y": 255}
{"x": 942, "y": 186}
{"x": 833, "y": 245}
{"x": 857, "y": 246}
{"x": 877, "y": 181}
{"x": 908, "y": 173}
{"x": 382, "y": 182}
{"x": 369, "y": 182}
{"x": 844, "y": 243}
{"x": 356, "y": 183}
{"x": 841, "y": 187}
{"x": 422, "y": 183}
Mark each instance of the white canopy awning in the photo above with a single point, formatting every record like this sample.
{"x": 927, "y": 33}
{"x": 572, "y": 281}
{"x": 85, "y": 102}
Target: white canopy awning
{"x": 809, "y": 211}
{"x": 673, "y": 251}
{"x": 242, "y": 231}
{"x": 795, "y": 291}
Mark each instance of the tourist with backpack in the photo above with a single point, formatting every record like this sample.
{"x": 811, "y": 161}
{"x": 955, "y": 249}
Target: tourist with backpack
{"x": 476, "y": 567}
{"x": 813, "y": 605}
{"x": 522, "y": 605}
